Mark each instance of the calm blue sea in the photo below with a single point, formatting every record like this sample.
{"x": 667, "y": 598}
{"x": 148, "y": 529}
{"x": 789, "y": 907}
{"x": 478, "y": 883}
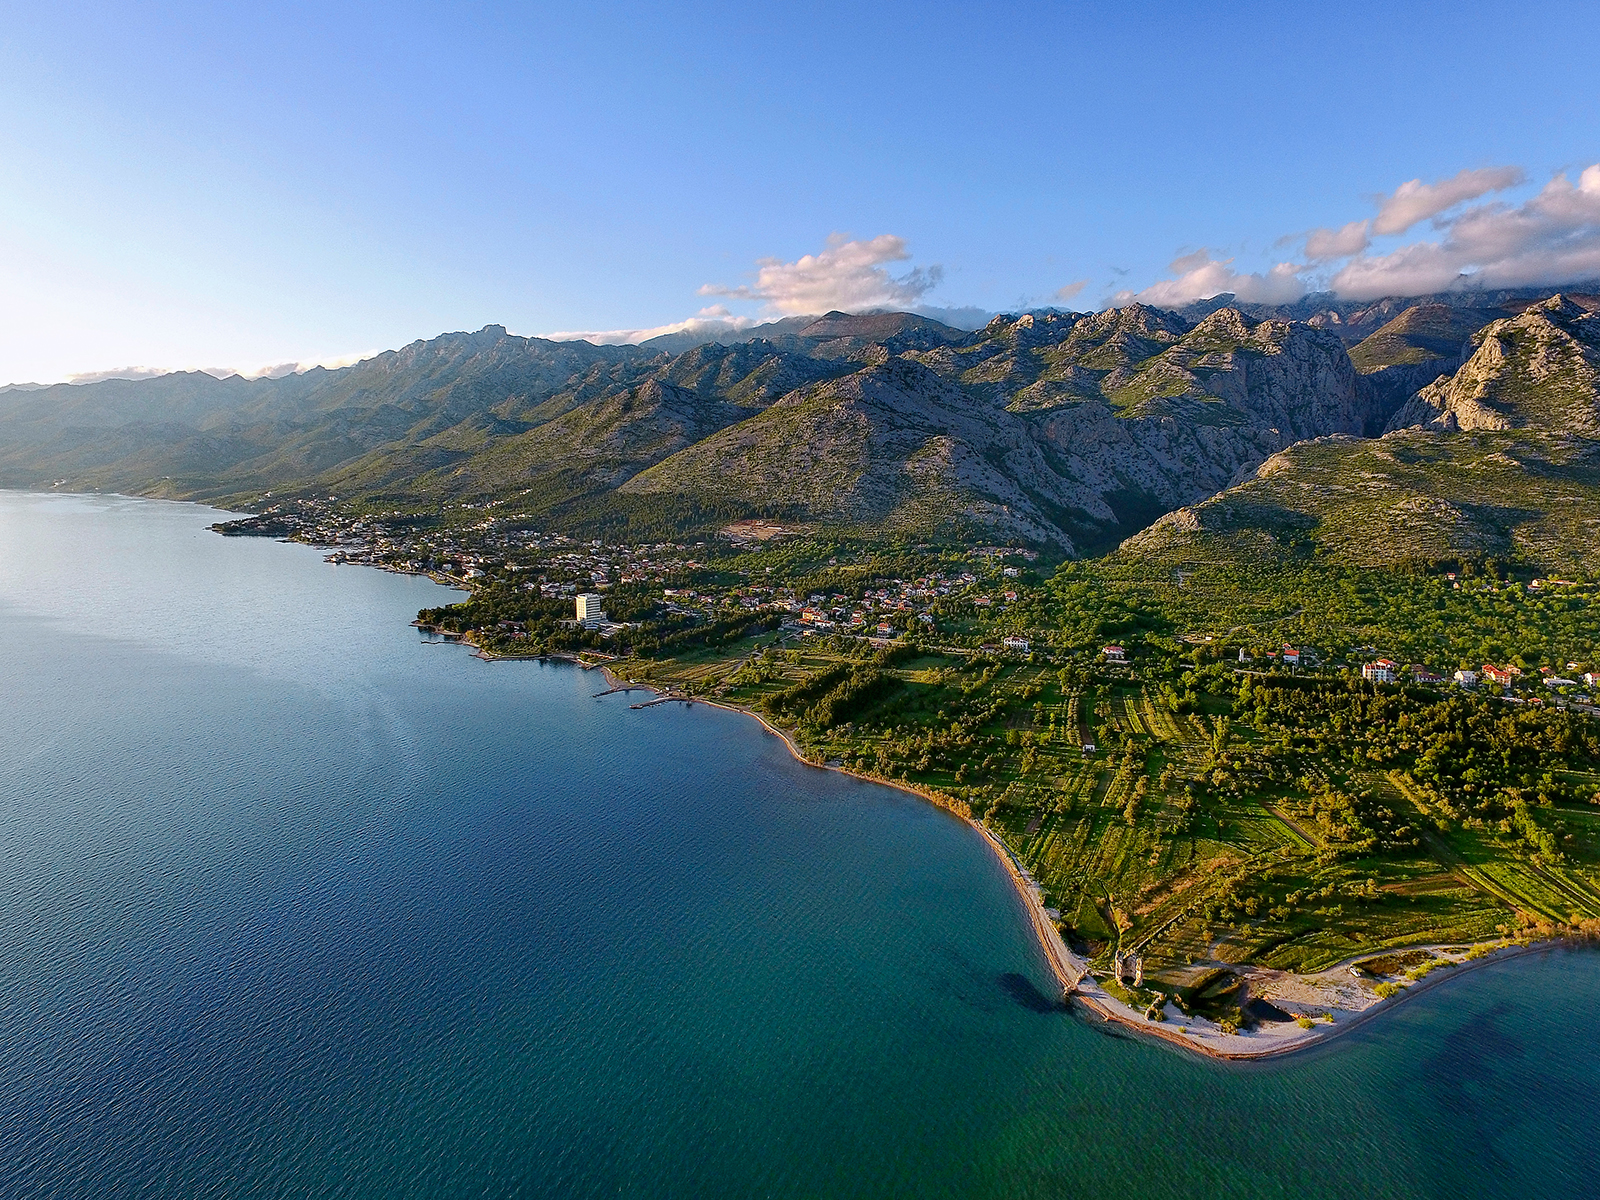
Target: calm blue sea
{"x": 293, "y": 903}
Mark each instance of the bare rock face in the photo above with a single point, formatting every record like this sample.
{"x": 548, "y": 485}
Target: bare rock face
{"x": 1048, "y": 427}
{"x": 1207, "y": 410}
{"x": 1537, "y": 370}
{"x": 892, "y": 445}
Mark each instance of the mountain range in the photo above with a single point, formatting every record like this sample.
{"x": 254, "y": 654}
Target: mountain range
{"x": 1067, "y": 431}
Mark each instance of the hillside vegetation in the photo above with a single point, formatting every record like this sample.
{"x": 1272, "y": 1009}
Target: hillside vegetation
{"x": 1223, "y": 427}
{"x": 1062, "y": 430}
{"x": 1175, "y": 736}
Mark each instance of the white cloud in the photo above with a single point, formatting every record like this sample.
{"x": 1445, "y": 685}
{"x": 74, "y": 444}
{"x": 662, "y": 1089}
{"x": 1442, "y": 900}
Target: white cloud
{"x": 1417, "y": 201}
{"x": 1338, "y": 243}
{"x": 1408, "y": 204}
{"x": 708, "y": 322}
{"x": 265, "y": 371}
{"x": 1553, "y": 238}
{"x": 1199, "y": 277}
{"x": 1070, "y": 292}
{"x": 849, "y": 276}
{"x": 298, "y": 367}
{"x": 117, "y": 373}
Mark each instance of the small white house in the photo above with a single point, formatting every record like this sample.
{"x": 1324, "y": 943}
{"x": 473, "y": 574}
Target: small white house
{"x": 1115, "y": 654}
{"x": 1466, "y": 679}
{"x": 1381, "y": 671}
{"x": 1019, "y": 645}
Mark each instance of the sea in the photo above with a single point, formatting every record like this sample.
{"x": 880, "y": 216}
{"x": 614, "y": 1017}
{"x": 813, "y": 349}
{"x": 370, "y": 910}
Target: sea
{"x": 296, "y": 903}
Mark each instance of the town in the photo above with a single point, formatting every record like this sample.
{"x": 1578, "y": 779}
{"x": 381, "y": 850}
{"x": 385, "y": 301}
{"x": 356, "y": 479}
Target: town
{"x": 982, "y": 600}
{"x": 1206, "y": 776}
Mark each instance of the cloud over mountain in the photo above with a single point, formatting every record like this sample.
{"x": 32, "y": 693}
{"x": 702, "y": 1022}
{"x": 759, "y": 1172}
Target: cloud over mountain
{"x": 1200, "y": 276}
{"x": 1554, "y": 237}
{"x": 848, "y": 275}
{"x": 264, "y": 371}
{"x": 1411, "y": 202}
{"x": 710, "y": 322}
{"x": 1417, "y": 201}
{"x": 1551, "y": 238}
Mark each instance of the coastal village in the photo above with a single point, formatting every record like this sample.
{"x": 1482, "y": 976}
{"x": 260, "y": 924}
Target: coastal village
{"x": 834, "y": 602}
{"x": 988, "y": 585}
{"x": 1227, "y": 838}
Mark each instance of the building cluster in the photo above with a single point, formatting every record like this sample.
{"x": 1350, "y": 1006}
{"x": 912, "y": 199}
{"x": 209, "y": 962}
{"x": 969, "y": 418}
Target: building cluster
{"x": 1504, "y": 681}
{"x": 579, "y": 570}
{"x": 466, "y": 553}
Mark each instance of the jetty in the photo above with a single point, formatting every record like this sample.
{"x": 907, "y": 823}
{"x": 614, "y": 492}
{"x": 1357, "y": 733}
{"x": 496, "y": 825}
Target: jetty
{"x": 664, "y": 700}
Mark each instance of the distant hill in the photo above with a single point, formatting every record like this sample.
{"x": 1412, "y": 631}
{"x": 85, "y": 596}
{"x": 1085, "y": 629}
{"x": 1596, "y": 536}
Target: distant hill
{"x": 1064, "y": 430}
{"x": 1355, "y": 320}
{"x": 1423, "y": 333}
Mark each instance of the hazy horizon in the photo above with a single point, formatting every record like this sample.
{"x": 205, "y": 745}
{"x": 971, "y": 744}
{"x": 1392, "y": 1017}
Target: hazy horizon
{"x": 173, "y": 204}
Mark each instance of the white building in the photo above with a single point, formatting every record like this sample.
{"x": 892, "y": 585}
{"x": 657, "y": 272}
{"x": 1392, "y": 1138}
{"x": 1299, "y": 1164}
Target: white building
{"x": 1020, "y": 645}
{"x": 1381, "y": 671}
{"x": 589, "y": 607}
{"x": 1467, "y": 679}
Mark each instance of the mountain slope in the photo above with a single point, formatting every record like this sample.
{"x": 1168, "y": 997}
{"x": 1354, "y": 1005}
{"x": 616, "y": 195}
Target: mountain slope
{"x": 1422, "y": 334}
{"x": 1053, "y": 428}
{"x": 1408, "y": 496}
{"x": 1065, "y": 429}
{"x": 1540, "y": 369}
{"x": 1500, "y": 458}
{"x": 892, "y": 446}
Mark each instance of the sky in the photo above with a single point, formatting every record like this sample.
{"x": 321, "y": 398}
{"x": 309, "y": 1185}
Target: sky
{"x": 251, "y": 187}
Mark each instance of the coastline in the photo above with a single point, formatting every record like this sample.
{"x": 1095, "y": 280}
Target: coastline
{"x": 1267, "y": 1040}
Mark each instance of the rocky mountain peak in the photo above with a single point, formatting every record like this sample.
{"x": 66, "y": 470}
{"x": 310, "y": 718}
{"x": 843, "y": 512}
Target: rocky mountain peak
{"x": 1226, "y": 323}
{"x": 1537, "y": 370}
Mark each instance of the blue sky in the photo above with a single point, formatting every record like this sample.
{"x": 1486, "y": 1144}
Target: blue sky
{"x": 205, "y": 185}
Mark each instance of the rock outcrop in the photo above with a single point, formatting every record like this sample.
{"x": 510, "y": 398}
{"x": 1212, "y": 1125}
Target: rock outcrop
{"x": 1537, "y": 370}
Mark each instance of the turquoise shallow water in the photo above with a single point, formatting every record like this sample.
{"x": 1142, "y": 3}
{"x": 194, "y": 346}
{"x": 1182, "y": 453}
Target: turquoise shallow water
{"x": 295, "y": 904}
